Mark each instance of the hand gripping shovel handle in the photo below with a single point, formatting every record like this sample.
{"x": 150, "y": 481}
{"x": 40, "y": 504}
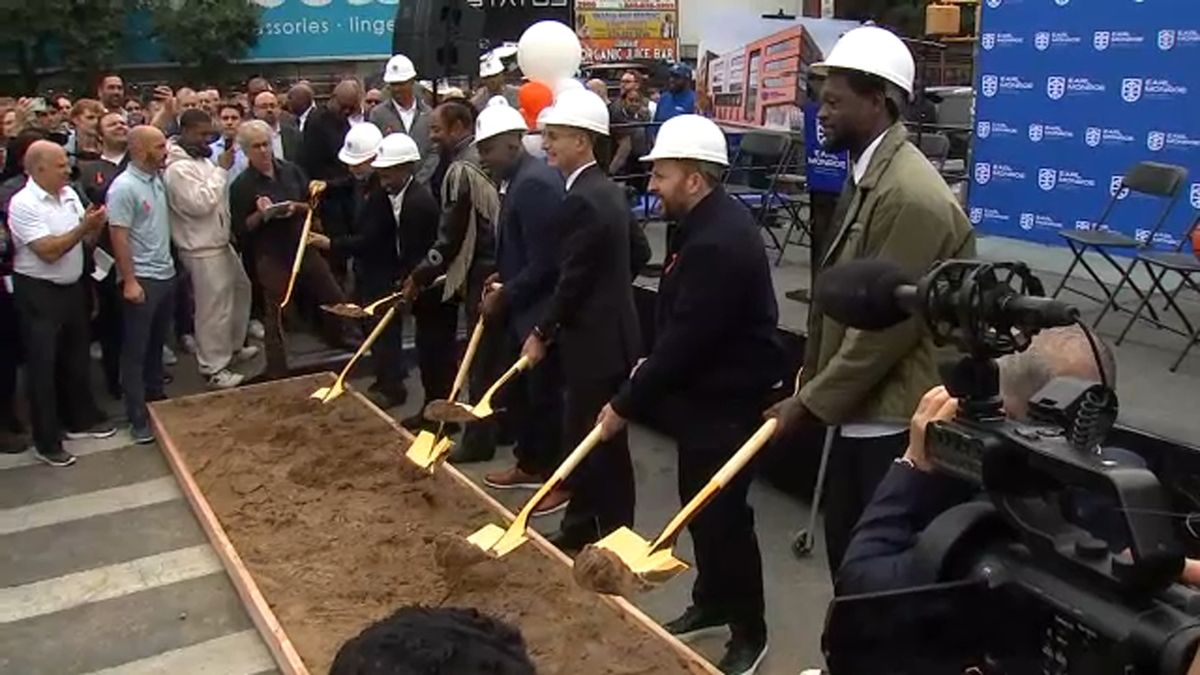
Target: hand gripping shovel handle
{"x": 719, "y": 480}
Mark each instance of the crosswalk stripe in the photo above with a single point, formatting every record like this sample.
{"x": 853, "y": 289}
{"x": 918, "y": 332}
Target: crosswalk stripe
{"x": 77, "y": 448}
{"x": 88, "y": 504}
{"x": 105, "y": 583}
{"x": 236, "y": 654}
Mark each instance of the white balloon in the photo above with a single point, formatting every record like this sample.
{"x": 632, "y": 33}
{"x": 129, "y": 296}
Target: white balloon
{"x": 533, "y": 145}
{"x": 549, "y": 51}
{"x": 566, "y": 84}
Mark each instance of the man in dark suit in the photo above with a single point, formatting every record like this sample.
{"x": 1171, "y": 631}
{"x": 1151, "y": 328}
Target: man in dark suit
{"x": 590, "y": 318}
{"x": 323, "y": 136}
{"x": 287, "y": 141}
{"x": 405, "y": 112}
{"x": 714, "y": 363}
{"x": 523, "y": 282}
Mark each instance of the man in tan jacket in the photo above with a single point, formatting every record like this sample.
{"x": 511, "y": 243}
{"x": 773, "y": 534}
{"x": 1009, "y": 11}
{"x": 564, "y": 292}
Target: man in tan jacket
{"x": 197, "y": 192}
{"x": 896, "y": 207}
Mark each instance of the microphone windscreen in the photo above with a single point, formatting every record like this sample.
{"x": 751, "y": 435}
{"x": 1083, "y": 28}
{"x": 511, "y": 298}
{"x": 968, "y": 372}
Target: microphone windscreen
{"x": 861, "y": 294}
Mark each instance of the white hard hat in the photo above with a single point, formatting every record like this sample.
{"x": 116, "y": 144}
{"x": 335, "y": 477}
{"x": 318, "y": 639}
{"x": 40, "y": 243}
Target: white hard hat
{"x": 396, "y": 149}
{"x": 872, "y": 50}
{"x": 360, "y": 145}
{"x": 690, "y": 137}
{"x": 498, "y": 118}
{"x": 490, "y": 65}
{"x": 577, "y": 108}
{"x": 399, "y": 68}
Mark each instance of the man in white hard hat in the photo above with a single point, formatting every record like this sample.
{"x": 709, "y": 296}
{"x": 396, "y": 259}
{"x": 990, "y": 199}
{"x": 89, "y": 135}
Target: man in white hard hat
{"x": 590, "y": 318}
{"x": 715, "y": 361}
{"x": 525, "y": 273}
{"x": 491, "y": 83}
{"x": 404, "y": 112}
{"x": 895, "y": 206}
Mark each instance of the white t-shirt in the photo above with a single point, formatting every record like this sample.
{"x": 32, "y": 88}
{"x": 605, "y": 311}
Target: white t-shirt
{"x": 34, "y": 214}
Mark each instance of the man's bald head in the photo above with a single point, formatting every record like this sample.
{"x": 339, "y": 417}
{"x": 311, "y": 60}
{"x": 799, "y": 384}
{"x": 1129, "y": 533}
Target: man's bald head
{"x": 256, "y": 86}
{"x": 1055, "y": 352}
{"x": 347, "y": 97}
{"x": 47, "y": 165}
{"x": 147, "y": 147}
{"x": 598, "y": 88}
{"x": 266, "y": 108}
{"x": 299, "y": 98}
{"x": 186, "y": 99}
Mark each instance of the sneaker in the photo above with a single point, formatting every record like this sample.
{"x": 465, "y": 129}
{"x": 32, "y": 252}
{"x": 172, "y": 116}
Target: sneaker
{"x": 142, "y": 435}
{"x": 696, "y": 622}
{"x": 743, "y": 655}
{"x": 555, "y": 501}
{"x": 168, "y": 356}
{"x": 246, "y": 353}
{"x": 512, "y": 479}
{"x": 101, "y": 430}
{"x": 188, "y": 342}
{"x": 225, "y": 379}
{"x": 56, "y": 457}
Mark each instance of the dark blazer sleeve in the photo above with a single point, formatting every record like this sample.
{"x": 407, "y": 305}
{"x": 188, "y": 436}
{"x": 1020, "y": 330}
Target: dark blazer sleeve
{"x": 293, "y": 142}
{"x": 371, "y": 232}
{"x": 880, "y": 556}
{"x": 639, "y": 247}
{"x": 451, "y": 232}
{"x": 420, "y": 227}
{"x": 240, "y": 207}
{"x": 581, "y": 262}
{"x": 537, "y": 202}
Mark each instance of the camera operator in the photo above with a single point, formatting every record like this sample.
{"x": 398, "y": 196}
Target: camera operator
{"x": 880, "y": 556}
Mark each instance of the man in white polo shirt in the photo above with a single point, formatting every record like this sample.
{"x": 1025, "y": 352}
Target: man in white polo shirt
{"x": 48, "y": 223}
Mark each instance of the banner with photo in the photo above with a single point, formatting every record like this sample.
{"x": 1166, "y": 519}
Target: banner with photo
{"x": 625, "y": 30}
{"x": 1069, "y": 95}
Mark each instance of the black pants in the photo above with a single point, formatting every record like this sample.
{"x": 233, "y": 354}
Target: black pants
{"x": 729, "y": 576}
{"x": 146, "y": 325}
{"x": 387, "y": 354}
{"x": 108, "y": 331}
{"x": 856, "y": 466}
{"x": 436, "y": 325}
{"x": 535, "y": 405}
{"x": 602, "y": 486}
{"x": 54, "y": 328}
{"x": 488, "y": 365}
{"x": 10, "y": 357}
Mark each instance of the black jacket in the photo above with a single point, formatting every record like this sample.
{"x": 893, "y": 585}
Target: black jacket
{"x": 591, "y": 315}
{"x": 716, "y": 316}
{"x": 525, "y": 247}
{"x": 293, "y": 142}
{"x": 96, "y": 175}
{"x": 384, "y": 249}
{"x": 323, "y": 137}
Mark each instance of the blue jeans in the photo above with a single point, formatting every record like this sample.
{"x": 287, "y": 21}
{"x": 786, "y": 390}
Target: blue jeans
{"x": 145, "y": 330}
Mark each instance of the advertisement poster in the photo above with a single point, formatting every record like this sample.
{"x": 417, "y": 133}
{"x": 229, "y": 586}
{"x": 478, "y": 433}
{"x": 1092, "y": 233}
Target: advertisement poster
{"x": 1069, "y": 95}
{"x": 752, "y": 69}
{"x": 625, "y": 30}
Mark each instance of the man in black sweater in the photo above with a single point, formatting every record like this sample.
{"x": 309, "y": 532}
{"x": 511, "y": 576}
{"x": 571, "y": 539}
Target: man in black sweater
{"x": 323, "y": 135}
{"x": 714, "y": 364}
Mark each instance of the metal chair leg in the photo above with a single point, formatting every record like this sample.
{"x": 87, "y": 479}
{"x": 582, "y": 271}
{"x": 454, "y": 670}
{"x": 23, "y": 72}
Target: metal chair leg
{"x": 802, "y": 545}
{"x": 1138, "y": 312}
{"x": 1074, "y": 263}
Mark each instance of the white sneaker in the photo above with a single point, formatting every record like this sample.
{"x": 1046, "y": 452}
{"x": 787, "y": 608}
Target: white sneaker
{"x": 256, "y": 330}
{"x": 225, "y": 379}
{"x": 168, "y": 356}
{"x": 246, "y": 353}
{"x": 189, "y": 344}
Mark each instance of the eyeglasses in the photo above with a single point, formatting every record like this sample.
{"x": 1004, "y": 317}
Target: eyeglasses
{"x": 373, "y": 101}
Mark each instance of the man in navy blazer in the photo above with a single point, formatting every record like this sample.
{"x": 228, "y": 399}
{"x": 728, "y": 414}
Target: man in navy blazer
{"x": 526, "y": 272}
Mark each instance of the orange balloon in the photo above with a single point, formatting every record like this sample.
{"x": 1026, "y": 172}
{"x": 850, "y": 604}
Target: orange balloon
{"x": 534, "y": 97}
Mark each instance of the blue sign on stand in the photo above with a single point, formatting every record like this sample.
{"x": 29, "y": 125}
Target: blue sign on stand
{"x": 825, "y": 171}
{"x": 1071, "y": 93}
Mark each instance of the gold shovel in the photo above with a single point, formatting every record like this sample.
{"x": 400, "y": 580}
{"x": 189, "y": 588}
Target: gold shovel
{"x": 497, "y": 541}
{"x": 315, "y": 188}
{"x": 350, "y": 310}
{"x": 654, "y": 562}
{"x": 327, "y": 394}
{"x": 462, "y": 413}
{"x": 427, "y": 448}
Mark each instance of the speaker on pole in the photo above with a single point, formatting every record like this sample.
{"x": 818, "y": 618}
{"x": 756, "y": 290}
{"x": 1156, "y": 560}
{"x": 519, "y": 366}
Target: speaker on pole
{"x": 440, "y": 36}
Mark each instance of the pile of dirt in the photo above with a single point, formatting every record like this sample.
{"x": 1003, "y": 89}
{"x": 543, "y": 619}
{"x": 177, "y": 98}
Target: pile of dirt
{"x": 339, "y": 530}
{"x": 601, "y": 570}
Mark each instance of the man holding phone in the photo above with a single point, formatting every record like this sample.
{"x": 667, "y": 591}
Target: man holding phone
{"x": 225, "y": 148}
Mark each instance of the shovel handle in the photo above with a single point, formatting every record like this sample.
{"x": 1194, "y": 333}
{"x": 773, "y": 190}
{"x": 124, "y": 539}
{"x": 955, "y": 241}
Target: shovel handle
{"x": 560, "y": 474}
{"x": 374, "y": 335}
{"x": 521, "y": 364}
{"x": 468, "y": 356}
{"x": 719, "y": 480}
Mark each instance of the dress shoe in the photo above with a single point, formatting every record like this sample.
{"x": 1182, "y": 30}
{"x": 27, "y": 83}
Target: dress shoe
{"x": 554, "y": 501}
{"x": 513, "y": 479}
{"x": 696, "y": 622}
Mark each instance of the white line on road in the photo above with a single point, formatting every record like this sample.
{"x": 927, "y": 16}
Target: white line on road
{"x": 78, "y": 448}
{"x": 237, "y": 654}
{"x": 105, "y": 583}
{"x": 98, "y": 503}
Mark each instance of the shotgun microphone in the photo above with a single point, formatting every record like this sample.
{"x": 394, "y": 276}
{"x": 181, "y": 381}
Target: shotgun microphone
{"x": 873, "y": 294}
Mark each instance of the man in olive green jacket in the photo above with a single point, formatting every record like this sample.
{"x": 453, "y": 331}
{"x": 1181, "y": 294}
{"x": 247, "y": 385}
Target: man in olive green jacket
{"x": 895, "y": 207}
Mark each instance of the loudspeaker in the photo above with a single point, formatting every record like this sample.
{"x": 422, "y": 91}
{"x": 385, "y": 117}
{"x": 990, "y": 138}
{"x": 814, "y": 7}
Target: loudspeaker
{"x": 440, "y": 36}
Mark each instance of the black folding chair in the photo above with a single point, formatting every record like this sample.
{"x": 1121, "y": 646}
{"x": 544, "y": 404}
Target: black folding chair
{"x": 1149, "y": 178}
{"x": 935, "y": 146}
{"x": 753, "y": 177}
{"x": 793, "y": 194}
{"x": 1183, "y": 262}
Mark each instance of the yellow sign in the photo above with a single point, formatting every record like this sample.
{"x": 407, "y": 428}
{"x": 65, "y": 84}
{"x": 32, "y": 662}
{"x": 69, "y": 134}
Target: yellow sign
{"x": 603, "y": 25}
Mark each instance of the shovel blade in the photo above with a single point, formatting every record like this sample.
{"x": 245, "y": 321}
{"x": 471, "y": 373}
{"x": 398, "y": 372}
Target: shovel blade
{"x": 425, "y": 453}
{"x": 629, "y": 546}
{"x": 634, "y": 551}
{"x": 450, "y": 411}
{"x": 322, "y": 394}
{"x": 497, "y": 541}
{"x": 345, "y": 309}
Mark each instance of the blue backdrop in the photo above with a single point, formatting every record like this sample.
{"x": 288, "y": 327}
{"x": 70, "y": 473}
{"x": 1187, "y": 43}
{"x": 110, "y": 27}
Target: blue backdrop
{"x": 1070, "y": 94}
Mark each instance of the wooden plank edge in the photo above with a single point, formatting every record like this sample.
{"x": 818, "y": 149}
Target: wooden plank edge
{"x": 282, "y": 650}
{"x": 625, "y": 609}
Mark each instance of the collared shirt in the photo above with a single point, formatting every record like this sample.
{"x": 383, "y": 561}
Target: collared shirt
{"x": 864, "y": 162}
{"x": 303, "y": 117}
{"x": 397, "y": 201}
{"x": 407, "y": 115}
{"x": 276, "y": 147}
{"x": 137, "y": 201}
{"x": 576, "y": 172}
{"x": 671, "y": 104}
{"x": 276, "y": 237}
{"x": 115, "y": 160}
{"x": 239, "y": 157}
{"x": 34, "y": 214}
